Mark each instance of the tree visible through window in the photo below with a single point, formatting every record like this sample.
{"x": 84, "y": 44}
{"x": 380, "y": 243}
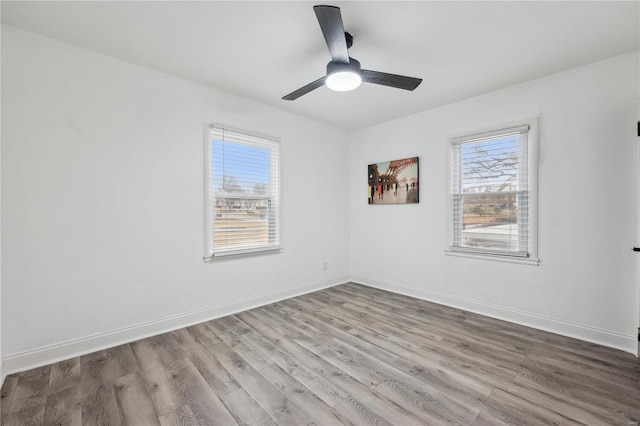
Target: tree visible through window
{"x": 243, "y": 192}
{"x": 490, "y": 192}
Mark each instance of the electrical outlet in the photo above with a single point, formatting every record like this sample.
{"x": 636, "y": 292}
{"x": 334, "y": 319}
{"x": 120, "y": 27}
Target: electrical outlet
{"x": 325, "y": 265}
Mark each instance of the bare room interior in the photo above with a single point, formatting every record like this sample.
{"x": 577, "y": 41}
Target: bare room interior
{"x": 297, "y": 213}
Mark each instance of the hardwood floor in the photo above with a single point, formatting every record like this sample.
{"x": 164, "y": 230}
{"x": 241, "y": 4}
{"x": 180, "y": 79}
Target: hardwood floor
{"x": 346, "y": 355}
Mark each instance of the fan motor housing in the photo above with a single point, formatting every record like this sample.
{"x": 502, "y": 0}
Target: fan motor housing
{"x": 353, "y": 66}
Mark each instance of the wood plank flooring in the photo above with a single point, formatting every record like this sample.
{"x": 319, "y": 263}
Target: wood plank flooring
{"x": 346, "y": 355}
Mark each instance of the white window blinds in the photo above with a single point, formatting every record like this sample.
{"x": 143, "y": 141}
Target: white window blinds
{"x": 490, "y": 192}
{"x": 242, "y": 193}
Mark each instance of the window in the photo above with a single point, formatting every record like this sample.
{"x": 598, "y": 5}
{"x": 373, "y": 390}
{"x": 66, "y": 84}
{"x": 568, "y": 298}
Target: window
{"x": 242, "y": 193}
{"x": 493, "y": 194}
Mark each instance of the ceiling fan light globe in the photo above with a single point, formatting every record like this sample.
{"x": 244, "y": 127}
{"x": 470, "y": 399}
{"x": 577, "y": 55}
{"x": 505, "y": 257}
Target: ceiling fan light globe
{"x": 343, "y": 81}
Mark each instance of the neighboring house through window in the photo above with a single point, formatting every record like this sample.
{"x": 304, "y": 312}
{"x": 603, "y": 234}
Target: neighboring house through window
{"x": 242, "y": 193}
{"x": 493, "y": 197}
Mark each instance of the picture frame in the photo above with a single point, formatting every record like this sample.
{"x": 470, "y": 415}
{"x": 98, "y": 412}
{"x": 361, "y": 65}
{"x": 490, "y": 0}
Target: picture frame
{"x": 394, "y": 182}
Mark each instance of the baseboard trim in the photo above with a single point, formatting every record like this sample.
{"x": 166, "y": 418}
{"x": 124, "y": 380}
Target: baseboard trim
{"x": 49, "y": 354}
{"x": 603, "y": 337}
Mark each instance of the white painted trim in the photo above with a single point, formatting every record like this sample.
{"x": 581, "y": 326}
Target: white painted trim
{"x": 72, "y": 348}
{"x": 533, "y": 144}
{"x": 497, "y": 258}
{"x": 587, "y": 333}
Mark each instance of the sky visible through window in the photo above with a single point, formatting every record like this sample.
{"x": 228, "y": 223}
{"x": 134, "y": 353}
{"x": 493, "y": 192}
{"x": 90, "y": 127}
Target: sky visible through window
{"x": 490, "y": 165}
{"x": 236, "y": 167}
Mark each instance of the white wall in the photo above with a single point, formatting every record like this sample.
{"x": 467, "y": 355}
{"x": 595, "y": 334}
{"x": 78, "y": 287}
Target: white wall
{"x": 585, "y": 285}
{"x": 102, "y": 180}
{"x": 1, "y": 363}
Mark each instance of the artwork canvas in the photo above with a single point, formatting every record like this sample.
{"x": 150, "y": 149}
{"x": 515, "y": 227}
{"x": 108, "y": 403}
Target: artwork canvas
{"x": 393, "y": 182}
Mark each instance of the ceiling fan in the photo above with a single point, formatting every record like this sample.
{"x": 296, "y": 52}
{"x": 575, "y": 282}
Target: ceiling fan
{"x": 343, "y": 72}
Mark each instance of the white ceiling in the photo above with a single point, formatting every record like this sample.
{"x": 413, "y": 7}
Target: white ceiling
{"x": 264, "y": 50}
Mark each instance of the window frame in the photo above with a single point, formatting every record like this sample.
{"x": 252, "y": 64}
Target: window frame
{"x": 275, "y": 195}
{"x": 531, "y": 256}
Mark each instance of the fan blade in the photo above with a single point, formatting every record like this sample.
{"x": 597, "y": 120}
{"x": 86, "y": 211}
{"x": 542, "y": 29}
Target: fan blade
{"x": 391, "y": 80}
{"x": 304, "y": 89}
{"x": 330, "y": 21}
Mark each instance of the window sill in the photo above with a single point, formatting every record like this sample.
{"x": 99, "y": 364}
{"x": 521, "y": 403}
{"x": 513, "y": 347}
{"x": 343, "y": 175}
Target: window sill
{"x": 242, "y": 253}
{"x": 494, "y": 257}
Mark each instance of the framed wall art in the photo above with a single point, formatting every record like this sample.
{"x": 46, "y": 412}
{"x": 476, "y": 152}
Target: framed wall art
{"x": 394, "y": 182}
